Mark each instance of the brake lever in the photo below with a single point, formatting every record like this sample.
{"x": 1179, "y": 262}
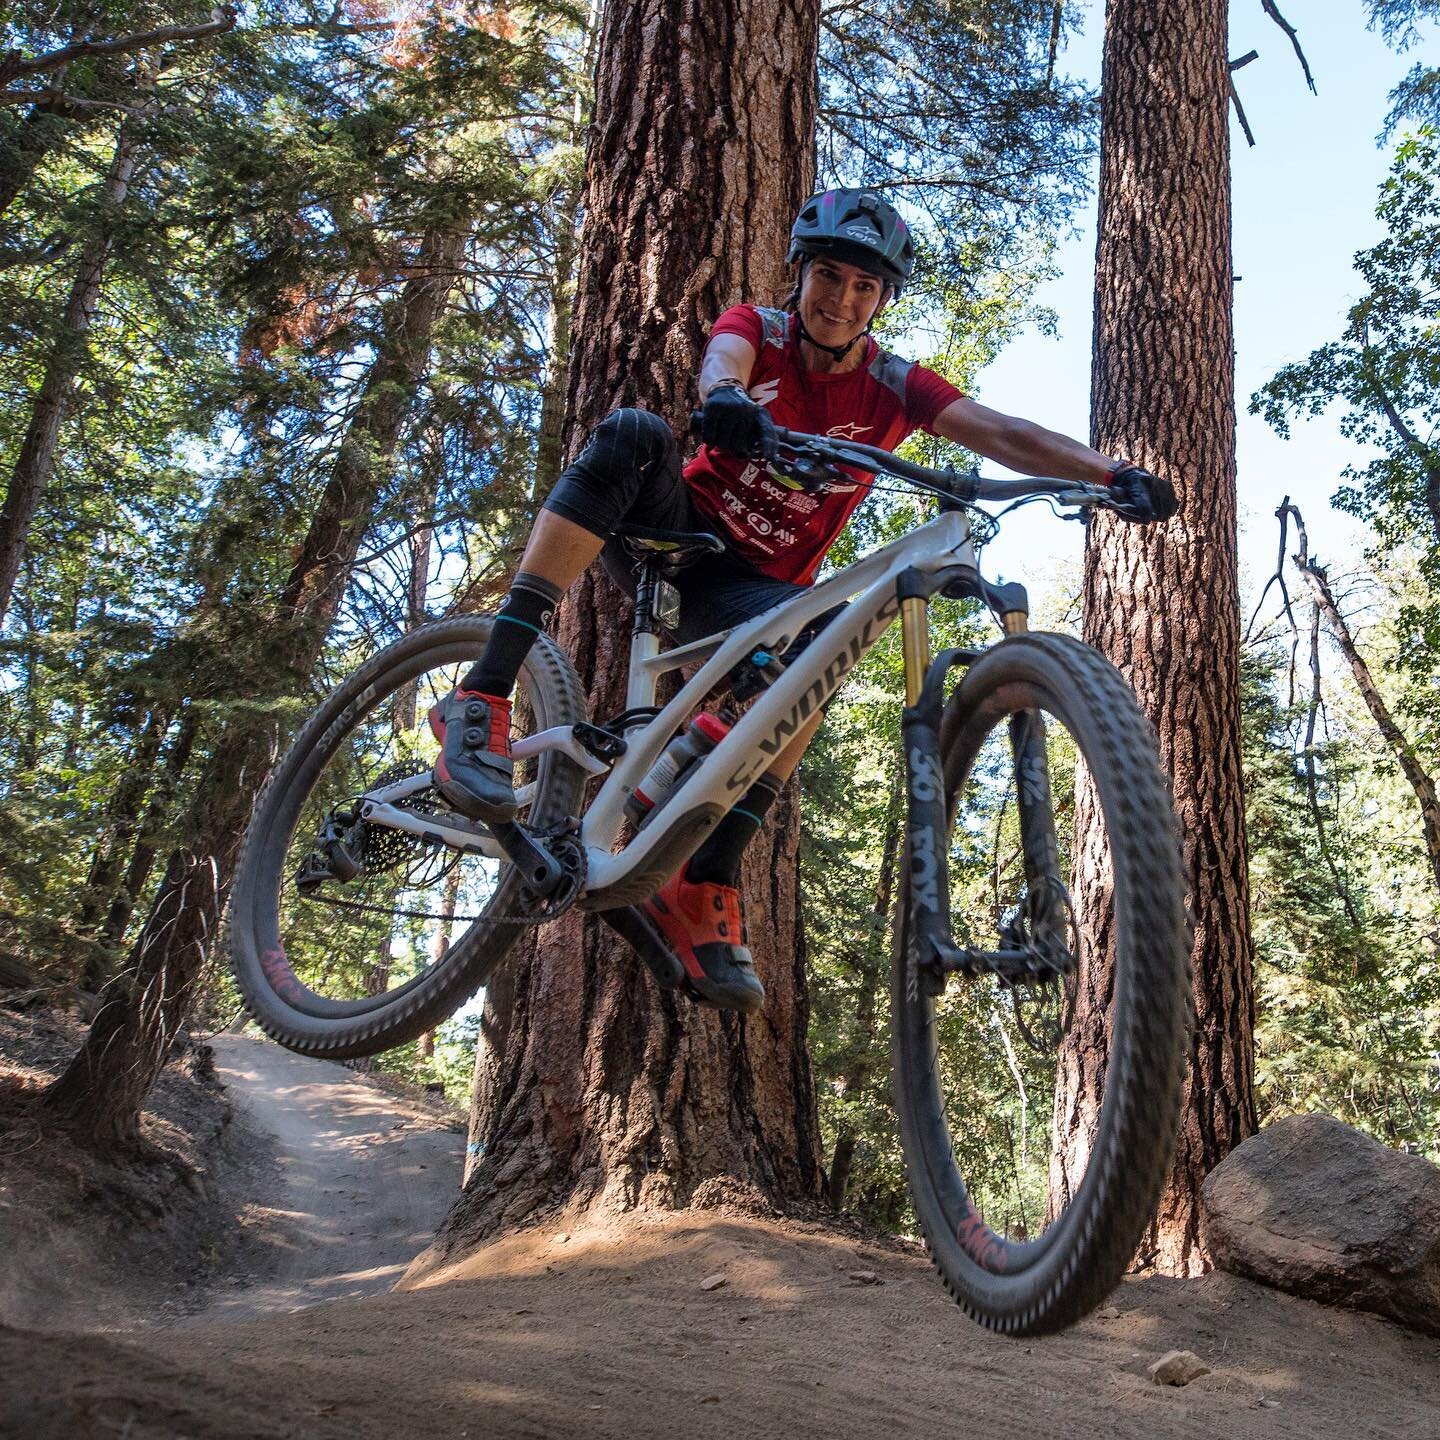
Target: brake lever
{"x": 812, "y": 473}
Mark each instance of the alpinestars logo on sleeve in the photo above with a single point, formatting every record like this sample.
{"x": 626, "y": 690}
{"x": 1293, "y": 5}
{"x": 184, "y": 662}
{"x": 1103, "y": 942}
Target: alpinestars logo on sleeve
{"x": 848, "y": 432}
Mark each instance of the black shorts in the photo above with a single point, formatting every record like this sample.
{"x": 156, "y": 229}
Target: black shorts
{"x": 630, "y": 470}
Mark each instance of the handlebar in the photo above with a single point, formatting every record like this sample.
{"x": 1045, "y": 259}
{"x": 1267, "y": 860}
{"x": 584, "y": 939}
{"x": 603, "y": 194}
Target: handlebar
{"x": 812, "y": 458}
{"x": 966, "y": 486}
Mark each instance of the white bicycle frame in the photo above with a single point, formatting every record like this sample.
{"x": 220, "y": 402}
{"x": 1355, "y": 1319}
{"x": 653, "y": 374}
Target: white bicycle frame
{"x": 713, "y": 786}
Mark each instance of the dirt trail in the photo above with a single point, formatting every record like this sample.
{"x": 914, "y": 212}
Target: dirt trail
{"x": 605, "y": 1331}
{"x": 364, "y": 1179}
{"x": 604, "y": 1328}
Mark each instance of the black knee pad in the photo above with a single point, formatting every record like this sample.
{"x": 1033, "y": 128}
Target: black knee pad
{"x": 641, "y": 433}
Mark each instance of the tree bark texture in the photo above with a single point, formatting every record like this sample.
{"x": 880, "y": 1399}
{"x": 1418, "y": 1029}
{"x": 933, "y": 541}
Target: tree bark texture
{"x": 102, "y": 1091}
{"x": 1162, "y": 602}
{"x": 599, "y": 1088}
{"x": 36, "y": 457}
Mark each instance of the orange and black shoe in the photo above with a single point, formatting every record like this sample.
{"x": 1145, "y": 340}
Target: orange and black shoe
{"x": 701, "y": 923}
{"x": 474, "y": 771}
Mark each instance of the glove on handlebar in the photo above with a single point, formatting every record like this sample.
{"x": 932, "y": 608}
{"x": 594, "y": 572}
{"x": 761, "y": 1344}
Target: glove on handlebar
{"x": 1140, "y": 497}
{"x": 732, "y": 421}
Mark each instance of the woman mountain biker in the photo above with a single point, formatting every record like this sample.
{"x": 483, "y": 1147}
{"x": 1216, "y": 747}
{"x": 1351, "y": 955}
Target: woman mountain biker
{"x": 811, "y": 367}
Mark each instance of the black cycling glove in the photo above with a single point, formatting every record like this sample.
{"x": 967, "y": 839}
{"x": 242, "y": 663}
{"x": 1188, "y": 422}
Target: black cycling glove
{"x": 732, "y": 421}
{"x": 1138, "y": 496}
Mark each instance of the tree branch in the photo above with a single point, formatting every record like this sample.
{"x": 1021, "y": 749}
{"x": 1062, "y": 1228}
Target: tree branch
{"x": 12, "y": 65}
{"x": 1421, "y": 783}
{"x": 1273, "y": 11}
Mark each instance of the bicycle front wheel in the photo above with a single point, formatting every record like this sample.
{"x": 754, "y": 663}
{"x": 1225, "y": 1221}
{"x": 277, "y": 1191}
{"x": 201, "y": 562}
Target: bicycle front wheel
{"x": 1034, "y": 1168}
{"x": 404, "y": 928}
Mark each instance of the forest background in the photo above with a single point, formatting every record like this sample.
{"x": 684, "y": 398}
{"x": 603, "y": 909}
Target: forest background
{"x": 256, "y": 252}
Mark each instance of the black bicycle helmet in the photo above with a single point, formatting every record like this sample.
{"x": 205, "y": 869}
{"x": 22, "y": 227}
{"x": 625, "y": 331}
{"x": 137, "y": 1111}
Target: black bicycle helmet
{"x": 858, "y": 227}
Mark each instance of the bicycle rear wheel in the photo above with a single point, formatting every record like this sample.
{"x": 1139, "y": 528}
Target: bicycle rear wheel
{"x": 352, "y": 965}
{"x": 1032, "y": 1191}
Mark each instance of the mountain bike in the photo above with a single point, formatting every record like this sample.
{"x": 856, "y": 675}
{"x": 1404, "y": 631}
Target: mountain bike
{"x": 365, "y": 911}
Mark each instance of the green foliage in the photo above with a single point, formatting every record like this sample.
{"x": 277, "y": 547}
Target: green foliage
{"x": 1345, "y": 924}
{"x": 1401, "y": 23}
{"x": 1385, "y": 372}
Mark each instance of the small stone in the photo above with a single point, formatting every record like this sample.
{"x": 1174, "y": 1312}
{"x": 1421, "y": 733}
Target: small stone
{"x": 865, "y": 1277}
{"x": 712, "y": 1282}
{"x": 562, "y": 1239}
{"x": 711, "y": 1400}
{"x": 1110, "y": 1312}
{"x": 1178, "y": 1367}
{"x": 1269, "y": 1404}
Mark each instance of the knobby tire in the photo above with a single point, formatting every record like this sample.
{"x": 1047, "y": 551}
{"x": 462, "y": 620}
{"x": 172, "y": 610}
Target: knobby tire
{"x": 1036, "y": 1286}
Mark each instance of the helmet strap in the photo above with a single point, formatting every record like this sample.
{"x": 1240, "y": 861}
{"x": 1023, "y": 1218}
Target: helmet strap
{"x": 836, "y": 352}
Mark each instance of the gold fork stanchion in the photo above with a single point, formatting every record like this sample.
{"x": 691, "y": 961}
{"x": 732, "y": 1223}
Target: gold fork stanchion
{"x": 915, "y": 643}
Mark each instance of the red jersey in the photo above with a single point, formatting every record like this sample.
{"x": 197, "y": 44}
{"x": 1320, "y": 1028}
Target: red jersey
{"x": 781, "y": 530}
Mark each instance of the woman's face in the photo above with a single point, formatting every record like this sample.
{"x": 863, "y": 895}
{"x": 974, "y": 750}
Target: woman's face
{"x": 837, "y": 301}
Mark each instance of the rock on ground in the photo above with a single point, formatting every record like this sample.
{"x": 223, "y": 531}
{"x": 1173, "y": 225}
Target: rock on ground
{"x": 1312, "y": 1206}
{"x": 1178, "y": 1367}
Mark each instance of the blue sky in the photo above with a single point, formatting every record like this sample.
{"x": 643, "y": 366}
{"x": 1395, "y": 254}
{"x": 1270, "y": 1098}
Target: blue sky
{"x": 1304, "y": 202}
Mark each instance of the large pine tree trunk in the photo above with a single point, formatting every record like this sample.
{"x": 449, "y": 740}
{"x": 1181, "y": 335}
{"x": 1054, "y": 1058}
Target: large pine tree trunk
{"x": 104, "y": 1087}
{"x": 1162, "y": 602}
{"x": 596, "y": 1086}
{"x": 36, "y": 458}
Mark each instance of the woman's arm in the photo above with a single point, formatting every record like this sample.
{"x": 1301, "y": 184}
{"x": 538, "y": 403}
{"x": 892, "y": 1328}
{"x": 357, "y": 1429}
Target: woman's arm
{"x": 727, "y": 357}
{"x": 1021, "y": 444}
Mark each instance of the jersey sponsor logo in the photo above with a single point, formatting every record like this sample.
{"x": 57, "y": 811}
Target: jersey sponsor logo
{"x": 765, "y": 392}
{"x": 848, "y": 431}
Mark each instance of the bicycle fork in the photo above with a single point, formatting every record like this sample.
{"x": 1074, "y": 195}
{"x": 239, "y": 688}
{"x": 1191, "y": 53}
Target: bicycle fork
{"x": 932, "y": 952}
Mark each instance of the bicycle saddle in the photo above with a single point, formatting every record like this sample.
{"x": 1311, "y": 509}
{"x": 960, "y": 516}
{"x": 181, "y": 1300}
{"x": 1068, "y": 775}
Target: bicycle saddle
{"x": 673, "y": 548}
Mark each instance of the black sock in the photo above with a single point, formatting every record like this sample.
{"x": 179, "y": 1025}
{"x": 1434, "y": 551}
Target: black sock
{"x": 529, "y": 605}
{"x": 717, "y": 861}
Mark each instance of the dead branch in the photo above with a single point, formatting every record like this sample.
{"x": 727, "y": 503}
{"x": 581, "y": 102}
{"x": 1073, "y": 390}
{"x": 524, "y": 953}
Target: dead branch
{"x": 1420, "y": 781}
{"x": 1240, "y": 115}
{"x": 1273, "y": 11}
{"x": 1312, "y": 778}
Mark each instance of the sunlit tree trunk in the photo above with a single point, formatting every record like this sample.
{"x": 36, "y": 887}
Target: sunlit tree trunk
{"x": 1162, "y": 602}
{"x": 602, "y": 1088}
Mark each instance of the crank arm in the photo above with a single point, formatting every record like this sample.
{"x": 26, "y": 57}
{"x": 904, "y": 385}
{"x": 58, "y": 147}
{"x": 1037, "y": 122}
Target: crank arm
{"x": 449, "y": 830}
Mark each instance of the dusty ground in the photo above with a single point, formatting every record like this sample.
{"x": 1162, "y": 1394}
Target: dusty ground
{"x": 607, "y": 1332}
{"x": 603, "y": 1329}
{"x": 94, "y": 1240}
{"x": 364, "y": 1179}
{"x": 268, "y": 1182}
